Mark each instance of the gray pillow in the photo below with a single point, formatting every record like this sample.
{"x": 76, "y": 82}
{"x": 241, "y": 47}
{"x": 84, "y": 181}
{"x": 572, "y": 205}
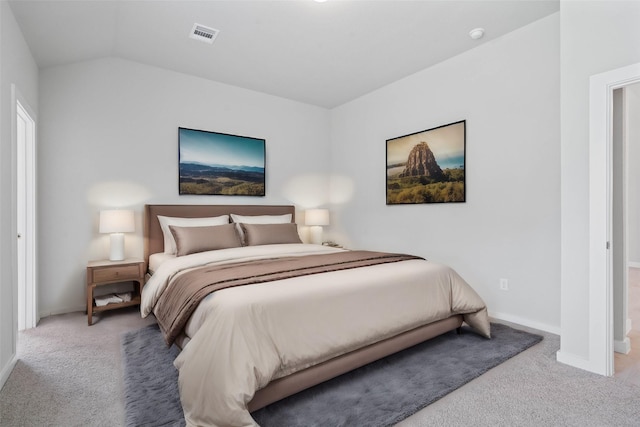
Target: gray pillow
{"x": 270, "y": 234}
{"x": 190, "y": 240}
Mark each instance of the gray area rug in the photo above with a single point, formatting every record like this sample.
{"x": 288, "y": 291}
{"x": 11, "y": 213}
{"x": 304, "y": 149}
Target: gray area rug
{"x": 151, "y": 396}
{"x": 379, "y": 394}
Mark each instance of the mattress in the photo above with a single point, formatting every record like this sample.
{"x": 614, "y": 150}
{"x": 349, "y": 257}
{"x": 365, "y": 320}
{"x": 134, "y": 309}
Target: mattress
{"x": 155, "y": 260}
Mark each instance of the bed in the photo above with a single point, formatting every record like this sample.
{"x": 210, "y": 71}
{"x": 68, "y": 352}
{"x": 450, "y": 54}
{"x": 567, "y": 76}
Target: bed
{"x": 254, "y": 343}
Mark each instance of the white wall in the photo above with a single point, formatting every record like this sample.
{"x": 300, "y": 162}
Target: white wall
{"x": 17, "y": 67}
{"x": 509, "y": 227}
{"x": 109, "y": 138}
{"x": 595, "y": 37}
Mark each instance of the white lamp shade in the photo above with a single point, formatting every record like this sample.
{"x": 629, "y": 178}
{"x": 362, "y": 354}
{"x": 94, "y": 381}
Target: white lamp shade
{"x": 116, "y": 221}
{"x": 316, "y": 217}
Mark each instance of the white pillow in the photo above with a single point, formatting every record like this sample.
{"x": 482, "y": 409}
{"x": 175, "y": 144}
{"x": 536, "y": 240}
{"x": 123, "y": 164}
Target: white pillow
{"x": 166, "y": 221}
{"x": 261, "y": 219}
{"x": 258, "y": 219}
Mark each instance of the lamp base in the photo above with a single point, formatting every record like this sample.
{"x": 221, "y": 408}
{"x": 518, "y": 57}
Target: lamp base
{"x": 117, "y": 247}
{"x": 315, "y": 234}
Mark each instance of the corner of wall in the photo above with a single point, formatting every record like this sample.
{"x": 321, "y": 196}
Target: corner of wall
{"x": 7, "y": 369}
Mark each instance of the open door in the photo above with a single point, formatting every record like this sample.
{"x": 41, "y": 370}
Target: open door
{"x": 25, "y": 139}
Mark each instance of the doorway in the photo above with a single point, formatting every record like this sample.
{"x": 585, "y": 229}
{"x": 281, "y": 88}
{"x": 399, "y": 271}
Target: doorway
{"x": 601, "y": 233}
{"x": 626, "y": 297}
{"x": 25, "y": 178}
{"x": 625, "y": 134}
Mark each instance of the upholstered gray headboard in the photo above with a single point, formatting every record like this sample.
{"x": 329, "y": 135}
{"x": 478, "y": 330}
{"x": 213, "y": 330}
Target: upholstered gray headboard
{"x": 154, "y": 241}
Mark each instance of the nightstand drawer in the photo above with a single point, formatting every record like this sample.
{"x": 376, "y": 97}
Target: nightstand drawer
{"x": 107, "y": 274}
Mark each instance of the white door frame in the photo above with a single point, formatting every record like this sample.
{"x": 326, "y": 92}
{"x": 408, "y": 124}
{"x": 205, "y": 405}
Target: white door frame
{"x": 24, "y": 189}
{"x": 600, "y": 216}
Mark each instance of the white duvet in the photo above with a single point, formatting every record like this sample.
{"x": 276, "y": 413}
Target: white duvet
{"x": 244, "y": 337}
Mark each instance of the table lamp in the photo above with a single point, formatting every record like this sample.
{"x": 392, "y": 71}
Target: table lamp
{"x": 116, "y": 222}
{"x": 316, "y": 218}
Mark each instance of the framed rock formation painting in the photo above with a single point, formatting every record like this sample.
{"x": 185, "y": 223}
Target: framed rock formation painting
{"x": 427, "y": 166}
{"x": 213, "y": 163}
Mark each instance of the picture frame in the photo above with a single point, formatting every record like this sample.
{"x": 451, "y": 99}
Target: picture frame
{"x": 214, "y": 163}
{"x": 427, "y": 166}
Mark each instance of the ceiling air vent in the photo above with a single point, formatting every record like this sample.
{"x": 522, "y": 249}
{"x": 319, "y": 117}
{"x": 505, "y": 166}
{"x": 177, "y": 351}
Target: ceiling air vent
{"x": 202, "y": 33}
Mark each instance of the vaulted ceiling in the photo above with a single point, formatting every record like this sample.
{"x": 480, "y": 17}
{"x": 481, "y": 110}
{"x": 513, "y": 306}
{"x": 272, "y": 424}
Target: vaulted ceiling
{"x": 323, "y": 54}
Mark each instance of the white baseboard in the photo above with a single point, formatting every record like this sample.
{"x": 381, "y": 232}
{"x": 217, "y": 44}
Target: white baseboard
{"x": 633, "y": 264}
{"x": 6, "y": 370}
{"x": 62, "y": 310}
{"x": 623, "y": 347}
{"x": 576, "y": 362}
{"x": 525, "y": 322}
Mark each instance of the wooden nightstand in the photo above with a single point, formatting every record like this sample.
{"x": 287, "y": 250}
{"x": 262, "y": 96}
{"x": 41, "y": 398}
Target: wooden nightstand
{"x": 101, "y": 273}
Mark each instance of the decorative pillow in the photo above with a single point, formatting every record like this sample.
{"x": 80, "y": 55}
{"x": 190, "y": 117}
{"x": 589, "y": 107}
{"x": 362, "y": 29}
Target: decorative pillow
{"x": 190, "y": 240}
{"x": 270, "y": 234}
{"x": 166, "y": 221}
{"x": 259, "y": 219}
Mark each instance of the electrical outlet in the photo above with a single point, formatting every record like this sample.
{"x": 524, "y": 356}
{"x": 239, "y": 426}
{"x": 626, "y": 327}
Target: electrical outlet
{"x": 504, "y": 285}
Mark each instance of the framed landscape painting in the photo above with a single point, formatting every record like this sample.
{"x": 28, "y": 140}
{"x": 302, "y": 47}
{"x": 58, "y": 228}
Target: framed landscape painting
{"x": 213, "y": 163}
{"x": 427, "y": 166}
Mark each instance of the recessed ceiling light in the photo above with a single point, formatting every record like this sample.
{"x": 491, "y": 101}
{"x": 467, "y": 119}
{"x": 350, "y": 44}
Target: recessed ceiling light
{"x": 476, "y": 33}
{"x": 320, "y": 1}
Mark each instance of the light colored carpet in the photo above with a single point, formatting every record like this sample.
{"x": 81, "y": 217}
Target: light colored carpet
{"x": 70, "y": 374}
{"x": 532, "y": 389}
